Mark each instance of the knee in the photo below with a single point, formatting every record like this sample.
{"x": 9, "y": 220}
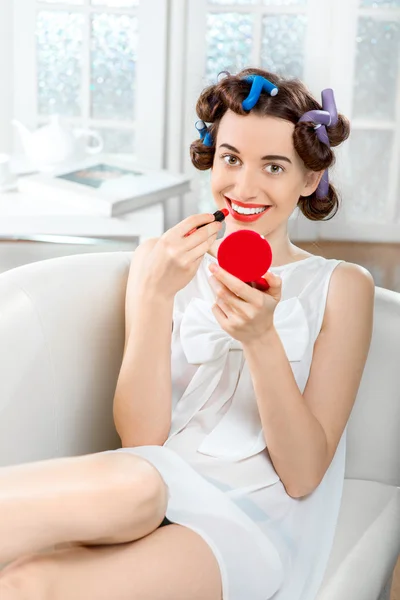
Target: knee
{"x": 154, "y": 491}
{"x": 157, "y": 489}
{"x": 141, "y": 482}
{"x": 30, "y": 578}
{"x": 137, "y": 472}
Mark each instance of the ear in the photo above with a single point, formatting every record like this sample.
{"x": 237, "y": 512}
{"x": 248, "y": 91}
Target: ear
{"x": 311, "y": 182}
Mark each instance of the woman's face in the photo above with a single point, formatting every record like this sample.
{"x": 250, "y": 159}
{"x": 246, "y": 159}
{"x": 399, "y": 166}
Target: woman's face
{"x": 255, "y": 163}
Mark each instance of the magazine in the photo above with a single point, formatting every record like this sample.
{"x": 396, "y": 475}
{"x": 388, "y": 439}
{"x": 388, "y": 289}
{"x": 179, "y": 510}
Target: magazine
{"x": 105, "y": 186}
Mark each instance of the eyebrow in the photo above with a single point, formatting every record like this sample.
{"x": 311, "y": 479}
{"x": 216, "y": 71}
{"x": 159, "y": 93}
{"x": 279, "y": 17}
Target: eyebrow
{"x": 268, "y": 157}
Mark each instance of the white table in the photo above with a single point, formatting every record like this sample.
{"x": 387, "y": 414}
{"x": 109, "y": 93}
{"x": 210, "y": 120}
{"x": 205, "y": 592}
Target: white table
{"x": 23, "y": 216}
{"x": 44, "y": 236}
{"x": 46, "y": 229}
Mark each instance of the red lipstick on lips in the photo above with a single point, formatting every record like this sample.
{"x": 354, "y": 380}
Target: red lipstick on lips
{"x": 245, "y": 218}
{"x": 219, "y": 216}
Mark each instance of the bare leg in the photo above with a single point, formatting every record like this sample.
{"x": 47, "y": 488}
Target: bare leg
{"x": 96, "y": 498}
{"x": 172, "y": 563}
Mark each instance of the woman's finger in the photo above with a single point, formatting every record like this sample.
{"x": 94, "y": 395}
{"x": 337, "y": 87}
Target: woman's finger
{"x": 275, "y": 285}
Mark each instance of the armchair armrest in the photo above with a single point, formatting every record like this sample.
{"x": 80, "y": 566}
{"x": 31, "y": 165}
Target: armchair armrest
{"x": 61, "y": 343}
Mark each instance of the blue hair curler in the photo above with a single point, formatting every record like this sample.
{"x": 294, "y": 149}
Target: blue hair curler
{"x": 259, "y": 84}
{"x": 205, "y": 135}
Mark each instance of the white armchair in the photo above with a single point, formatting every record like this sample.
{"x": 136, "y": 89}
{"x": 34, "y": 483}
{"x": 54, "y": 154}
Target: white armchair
{"x": 61, "y": 344}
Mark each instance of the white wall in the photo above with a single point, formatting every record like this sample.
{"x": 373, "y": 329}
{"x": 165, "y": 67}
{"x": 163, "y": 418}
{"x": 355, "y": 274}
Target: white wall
{"x": 6, "y": 75}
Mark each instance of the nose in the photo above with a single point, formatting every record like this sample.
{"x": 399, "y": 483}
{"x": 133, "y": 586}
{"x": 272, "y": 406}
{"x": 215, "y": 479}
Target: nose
{"x": 246, "y": 185}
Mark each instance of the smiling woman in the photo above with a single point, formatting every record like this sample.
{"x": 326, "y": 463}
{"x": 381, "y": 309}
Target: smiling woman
{"x": 260, "y": 403}
{"x": 240, "y": 412}
{"x": 270, "y": 140}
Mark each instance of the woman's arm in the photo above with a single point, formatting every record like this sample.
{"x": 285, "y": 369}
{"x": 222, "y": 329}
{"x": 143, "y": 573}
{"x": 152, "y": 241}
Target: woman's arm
{"x": 303, "y": 431}
{"x": 143, "y": 396}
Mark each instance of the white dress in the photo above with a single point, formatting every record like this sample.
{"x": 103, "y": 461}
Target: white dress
{"x": 215, "y": 462}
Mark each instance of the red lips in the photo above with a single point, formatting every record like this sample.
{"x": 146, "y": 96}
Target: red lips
{"x": 244, "y": 205}
{"x": 246, "y": 218}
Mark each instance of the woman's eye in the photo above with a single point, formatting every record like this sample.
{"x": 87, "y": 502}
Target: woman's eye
{"x": 230, "y": 160}
{"x": 275, "y": 169}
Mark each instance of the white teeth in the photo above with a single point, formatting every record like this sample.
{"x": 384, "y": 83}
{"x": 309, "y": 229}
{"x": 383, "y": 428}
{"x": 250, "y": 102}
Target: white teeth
{"x": 247, "y": 211}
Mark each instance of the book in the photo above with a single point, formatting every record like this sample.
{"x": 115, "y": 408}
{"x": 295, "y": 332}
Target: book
{"x": 105, "y": 186}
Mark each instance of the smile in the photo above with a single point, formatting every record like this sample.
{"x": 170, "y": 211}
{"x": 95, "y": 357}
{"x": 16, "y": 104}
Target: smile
{"x": 248, "y": 214}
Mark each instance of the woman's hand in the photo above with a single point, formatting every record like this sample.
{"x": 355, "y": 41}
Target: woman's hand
{"x": 174, "y": 260}
{"x": 244, "y": 312}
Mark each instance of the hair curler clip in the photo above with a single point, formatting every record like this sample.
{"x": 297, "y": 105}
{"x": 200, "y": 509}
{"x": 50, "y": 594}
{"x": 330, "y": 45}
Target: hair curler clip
{"x": 205, "y": 135}
{"x": 322, "y": 119}
{"x": 259, "y": 84}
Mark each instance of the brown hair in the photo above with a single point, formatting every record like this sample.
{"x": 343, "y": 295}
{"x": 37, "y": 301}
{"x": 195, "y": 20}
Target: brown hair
{"x": 292, "y": 101}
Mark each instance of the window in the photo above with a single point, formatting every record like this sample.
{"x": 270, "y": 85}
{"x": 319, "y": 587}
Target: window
{"x": 352, "y": 46}
{"x": 81, "y": 59}
{"x": 374, "y": 145}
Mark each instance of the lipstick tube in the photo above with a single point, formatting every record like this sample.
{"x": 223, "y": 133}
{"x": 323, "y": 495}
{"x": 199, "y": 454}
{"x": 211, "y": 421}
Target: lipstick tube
{"x": 219, "y": 216}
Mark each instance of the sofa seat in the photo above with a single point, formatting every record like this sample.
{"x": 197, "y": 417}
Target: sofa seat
{"x": 367, "y": 535}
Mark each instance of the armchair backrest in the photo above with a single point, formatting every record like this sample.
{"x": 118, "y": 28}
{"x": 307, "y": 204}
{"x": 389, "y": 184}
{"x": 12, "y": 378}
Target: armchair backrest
{"x": 61, "y": 344}
{"x": 373, "y": 431}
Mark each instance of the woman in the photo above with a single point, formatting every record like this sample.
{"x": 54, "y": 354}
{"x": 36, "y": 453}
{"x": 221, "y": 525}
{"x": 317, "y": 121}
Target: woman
{"x": 232, "y": 425}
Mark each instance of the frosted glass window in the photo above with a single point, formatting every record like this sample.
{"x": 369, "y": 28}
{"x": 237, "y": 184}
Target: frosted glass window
{"x": 377, "y": 68}
{"x": 116, "y": 3}
{"x": 116, "y": 140}
{"x": 113, "y": 66}
{"x": 59, "y": 38}
{"x": 229, "y": 42}
{"x": 370, "y": 154}
{"x": 380, "y": 3}
{"x": 283, "y": 40}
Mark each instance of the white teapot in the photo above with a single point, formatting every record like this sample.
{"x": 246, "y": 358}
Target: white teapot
{"x": 56, "y": 144}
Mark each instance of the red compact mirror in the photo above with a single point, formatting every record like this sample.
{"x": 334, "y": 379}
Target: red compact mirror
{"x": 246, "y": 255}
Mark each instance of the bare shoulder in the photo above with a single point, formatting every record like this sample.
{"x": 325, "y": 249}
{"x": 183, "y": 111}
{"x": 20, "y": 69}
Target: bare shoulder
{"x": 351, "y": 289}
{"x": 350, "y": 270}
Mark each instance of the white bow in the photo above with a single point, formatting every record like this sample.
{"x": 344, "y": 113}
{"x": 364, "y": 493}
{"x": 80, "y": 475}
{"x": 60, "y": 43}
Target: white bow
{"x": 239, "y": 433}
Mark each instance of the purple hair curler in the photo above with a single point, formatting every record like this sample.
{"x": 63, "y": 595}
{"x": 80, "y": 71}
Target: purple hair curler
{"x": 323, "y": 119}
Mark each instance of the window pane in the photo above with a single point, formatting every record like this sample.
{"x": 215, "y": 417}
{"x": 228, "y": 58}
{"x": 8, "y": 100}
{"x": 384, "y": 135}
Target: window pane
{"x": 377, "y": 66}
{"x": 113, "y": 75}
{"x": 59, "y": 51}
{"x": 380, "y": 3}
{"x": 116, "y": 140}
{"x": 116, "y": 3}
{"x": 370, "y": 154}
{"x": 282, "y": 49}
{"x": 229, "y": 42}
